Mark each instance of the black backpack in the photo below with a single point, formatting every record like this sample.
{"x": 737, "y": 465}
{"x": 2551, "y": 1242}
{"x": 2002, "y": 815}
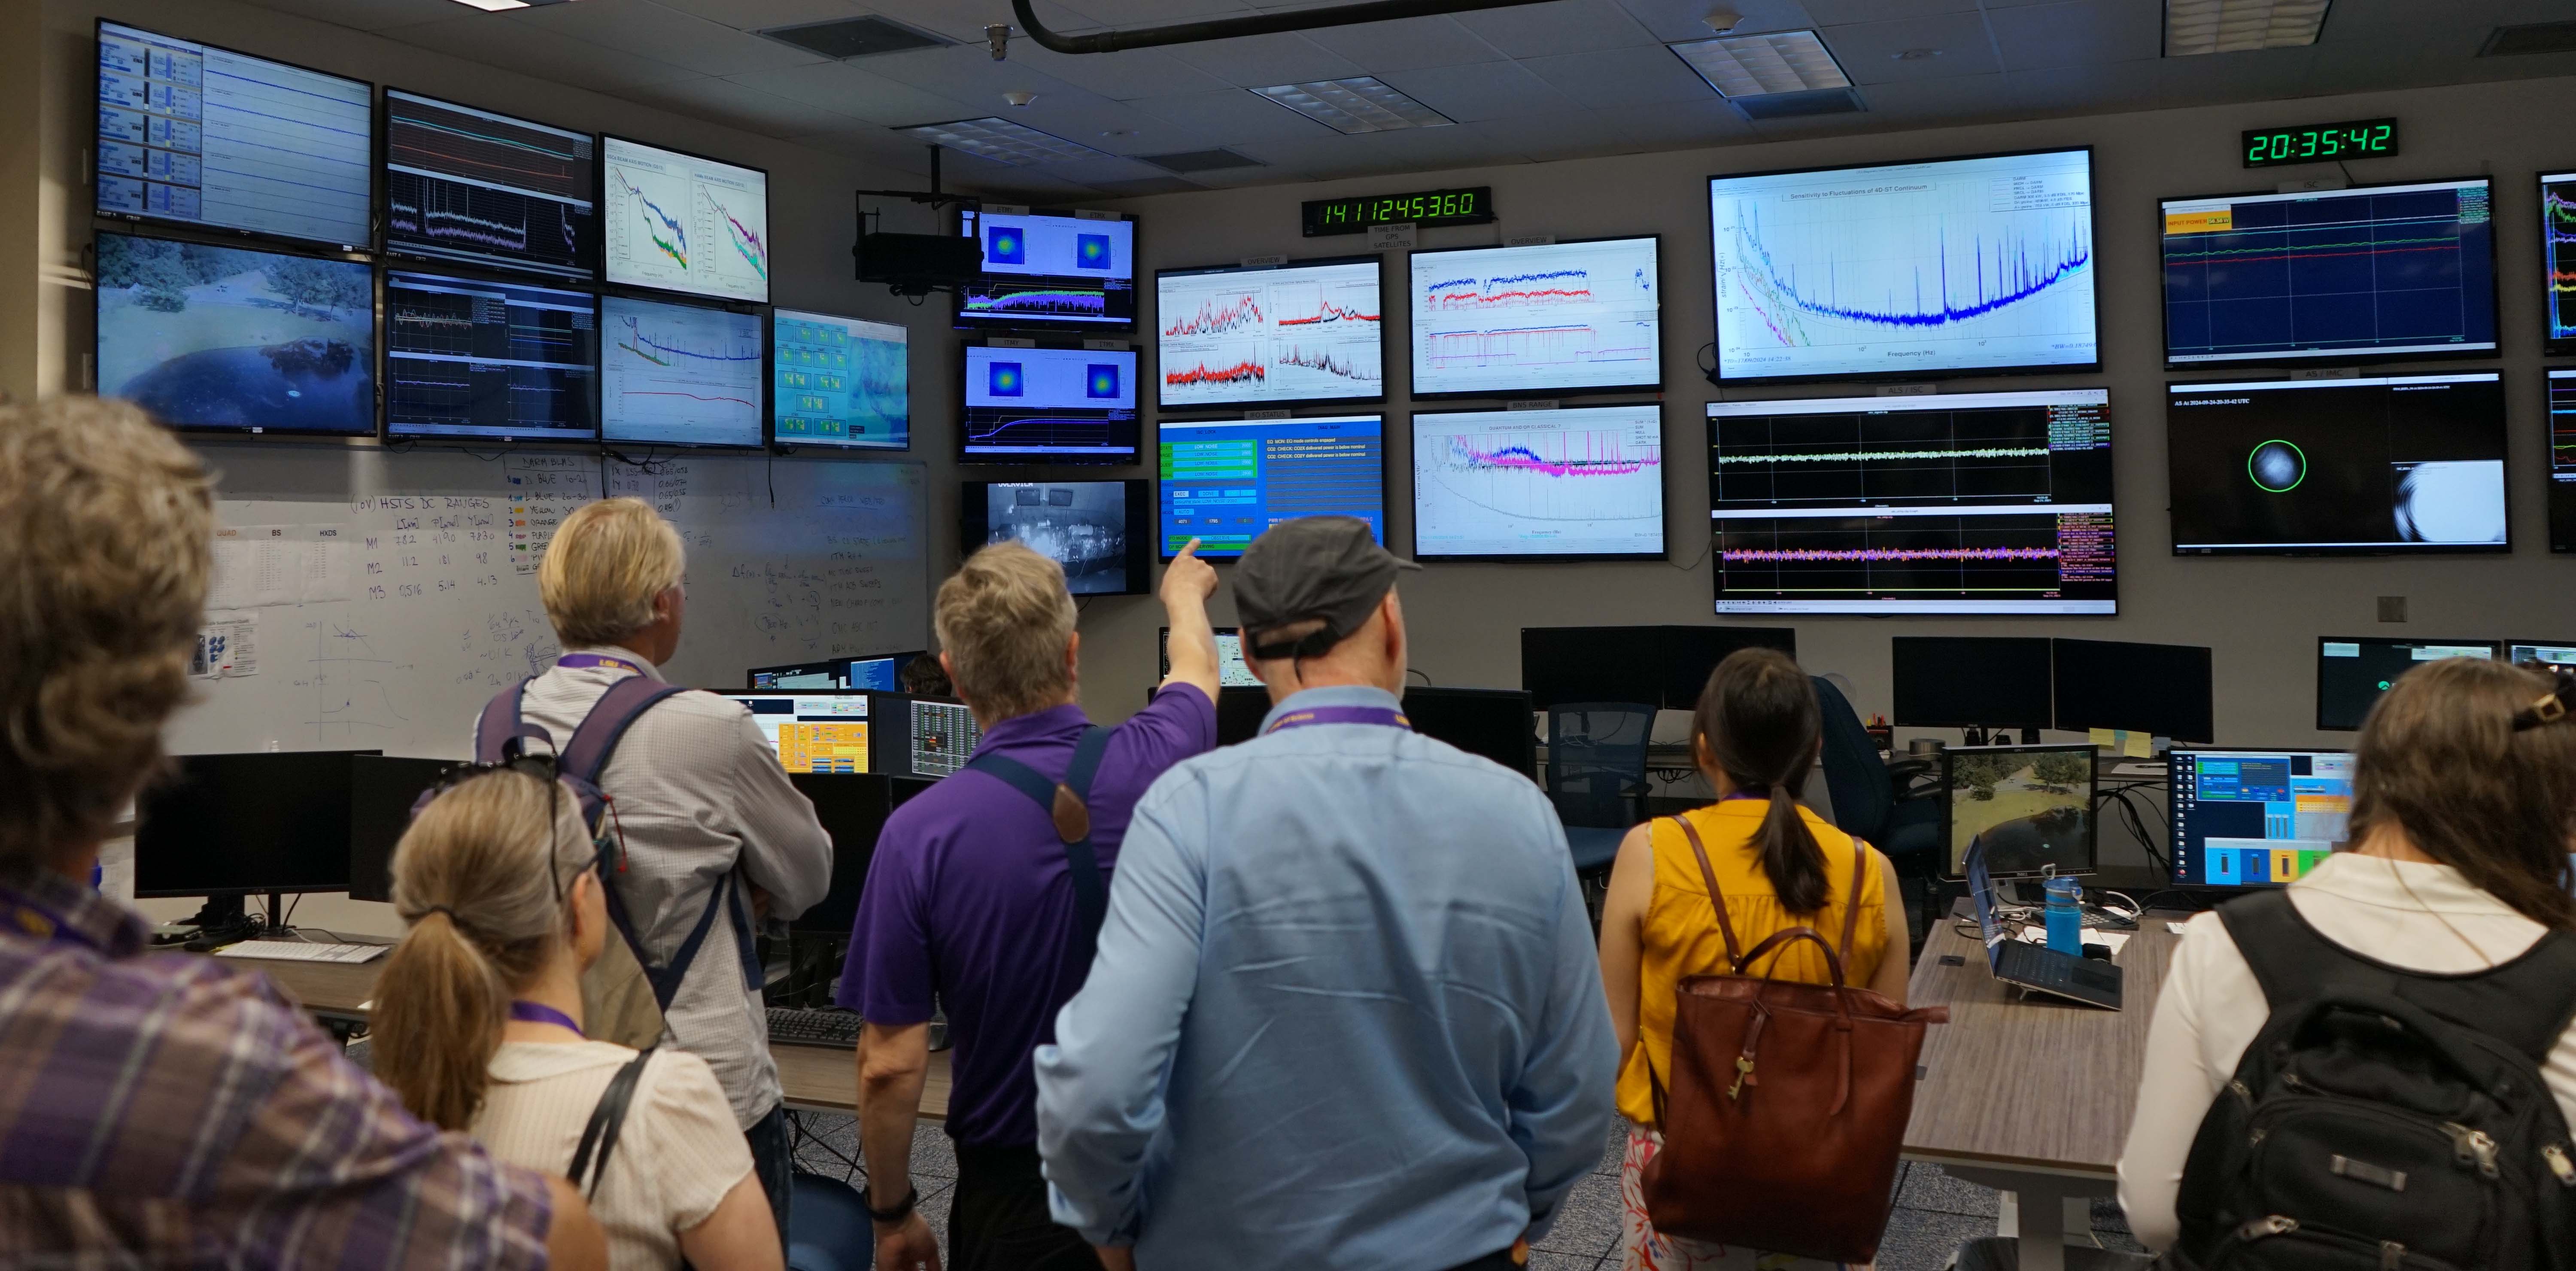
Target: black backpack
{"x": 2385, "y": 1118}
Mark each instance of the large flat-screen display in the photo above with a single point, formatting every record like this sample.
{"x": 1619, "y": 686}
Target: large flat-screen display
{"x": 497, "y": 361}
{"x": 1034, "y": 405}
{"x": 2385, "y": 271}
{"x": 467, "y": 184}
{"x": 202, "y": 135}
{"x": 839, "y": 382}
{"x": 2353, "y": 672}
{"x": 2325, "y": 467}
{"x": 1095, "y": 529}
{"x": 1952, "y": 503}
{"x": 1307, "y": 331}
{"x": 2558, "y": 260}
{"x": 680, "y": 375}
{"x": 1225, "y": 481}
{"x": 1050, "y": 271}
{"x": 2562, "y": 461}
{"x": 1574, "y": 484}
{"x": 233, "y": 339}
{"x": 679, "y": 222}
{"x": 1955, "y": 265}
{"x": 1557, "y": 318}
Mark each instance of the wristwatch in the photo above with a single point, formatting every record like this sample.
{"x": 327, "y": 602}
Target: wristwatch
{"x": 902, "y": 1208}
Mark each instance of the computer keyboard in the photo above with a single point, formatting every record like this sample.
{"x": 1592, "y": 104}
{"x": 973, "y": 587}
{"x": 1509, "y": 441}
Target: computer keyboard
{"x": 303, "y": 951}
{"x": 797, "y": 1027}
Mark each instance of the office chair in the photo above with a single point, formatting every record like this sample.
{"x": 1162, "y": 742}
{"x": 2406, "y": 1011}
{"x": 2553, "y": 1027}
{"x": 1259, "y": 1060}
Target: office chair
{"x": 1876, "y": 800}
{"x": 1596, "y": 776}
{"x": 828, "y": 1228}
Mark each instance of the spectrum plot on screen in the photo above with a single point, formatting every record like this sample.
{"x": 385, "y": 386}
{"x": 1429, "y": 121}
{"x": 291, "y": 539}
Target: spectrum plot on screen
{"x": 677, "y": 222}
{"x": 463, "y": 184}
{"x": 1519, "y": 484}
{"x": 1050, "y": 271}
{"x": 1308, "y": 331}
{"x": 1547, "y": 318}
{"x": 679, "y": 375}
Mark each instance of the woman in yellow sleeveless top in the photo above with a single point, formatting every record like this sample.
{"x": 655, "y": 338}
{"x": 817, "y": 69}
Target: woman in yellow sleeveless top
{"x": 1756, "y": 734}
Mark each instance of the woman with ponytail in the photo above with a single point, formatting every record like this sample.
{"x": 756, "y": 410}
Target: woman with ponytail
{"x": 478, "y": 1027}
{"x": 1756, "y": 735}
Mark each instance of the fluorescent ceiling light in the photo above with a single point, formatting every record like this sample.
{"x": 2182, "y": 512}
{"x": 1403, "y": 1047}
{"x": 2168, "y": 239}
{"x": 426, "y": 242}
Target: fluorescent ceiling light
{"x": 1757, "y": 65}
{"x": 2238, "y": 26}
{"x": 1361, "y": 104}
{"x": 1001, "y": 141}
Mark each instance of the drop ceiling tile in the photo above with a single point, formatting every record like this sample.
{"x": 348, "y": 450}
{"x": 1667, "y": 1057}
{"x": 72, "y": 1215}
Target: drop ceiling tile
{"x": 725, "y": 102}
{"x": 1623, "y": 77}
{"x": 1928, "y": 102}
{"x": 1126, "y": 14}
{"x": 843, "y": 88}
{"x": 965, "y": 72}
{"x": 1122, "y": 76}
{"x": 646, "y": 29}
{"x": 2210, "y": 78}
{"x": 1845, "y": 12}
{"x": 2076, "y": 90}
{"x": 1410, "y": 44}
{"x": 368, "y": 15}
{"x": 1674, "y": 125}
{"x": 2084, "y": 32}
{"x": 966, "y": 19}
{"x": 1869, "y": 51}
{"x": 1678, "y": 20}
{"x": 1260, "y": 61}
{"x": 497, "y": 40}
{"x": 869, "y": 142}
{"x": 1495, "y": 90}
{"x": 1565, "y": 26}
{"x": 1235, "y": 116}
{"x": 754, "y": 15}
{"x": 1568, "y": 134}
{"x": 1094, "y": 170}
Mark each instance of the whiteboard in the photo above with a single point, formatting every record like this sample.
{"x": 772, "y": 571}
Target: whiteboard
{"x": 371, "y": 600}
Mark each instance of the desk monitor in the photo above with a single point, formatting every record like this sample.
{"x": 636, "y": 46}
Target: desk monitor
{"x": 827, "y": 673}
{"x": 1239, "y": 712}
{"x": 1660, "y": 666}
{"x": 681, "y": 374}
{"x": 922, "y": 736}
{"x": 1492, "y": 722}
{"x": 1304, "y": 332}
{"x": 882, "y": 673}
{"x": 2352, "y": 671}
{"x": 1227, "y": 480}
{"x": 2163, "y": 690}
{"x": 812, "y": 730}
{"x": 1049, "y": 405}
{"x": 236, "y": 339}
{"x": 1097, "y": 530}
{"x": 2545, "y": 653}
{"x": 382, "y": 790}
{"x": 2031, "y": 807}
{"x": 223, "y": 825}
{"x": 2256, "y": 818}
{"x": 1972, "y": 682}
{"x": 1688, "y": 655}
{"x": 1231, "y": 670}
{"x": 1049, "y": 270}
{"x": 853, "y": 809}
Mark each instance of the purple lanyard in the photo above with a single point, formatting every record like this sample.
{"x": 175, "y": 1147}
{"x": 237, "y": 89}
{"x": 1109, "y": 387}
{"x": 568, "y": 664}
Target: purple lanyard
{"x": 19, "y": 914}
{"x": 540, "y": 1013}
{"x": 1342, "y": 715}
{"x": 581, "y": 661}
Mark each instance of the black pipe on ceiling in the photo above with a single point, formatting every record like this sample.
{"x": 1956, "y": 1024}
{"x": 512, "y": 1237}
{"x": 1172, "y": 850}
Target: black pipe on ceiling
{"x": 1255, "y": 24}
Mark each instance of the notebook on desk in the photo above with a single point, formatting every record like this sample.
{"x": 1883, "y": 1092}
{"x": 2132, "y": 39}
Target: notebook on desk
{"x": 2036, "y": 967}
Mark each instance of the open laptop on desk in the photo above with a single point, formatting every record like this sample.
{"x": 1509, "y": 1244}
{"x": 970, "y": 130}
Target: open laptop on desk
{"x": 2036, "y": 967}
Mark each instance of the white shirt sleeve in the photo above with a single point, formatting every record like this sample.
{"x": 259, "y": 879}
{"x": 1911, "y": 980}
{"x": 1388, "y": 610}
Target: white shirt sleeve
{"x": 2180, "y": 1082}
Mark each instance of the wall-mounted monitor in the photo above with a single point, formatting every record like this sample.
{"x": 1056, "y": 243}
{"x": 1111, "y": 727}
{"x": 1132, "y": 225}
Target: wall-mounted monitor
{"x": 1050, "y": 271}
{"x": 839, "y": 383}
{"x": 2354, "y": 671}
{"x": 477, "y": 187}
{"x": 1966, "y": 503}
{"x": 1049, "y": 405}
{"x": 1095, "y": 529}
{"x": 198, "y": 134}
{"x": 236, "y": 339}
{"x": 680, "y": 375}
{"x": 2338, "y": 467}
{"x": 2382, "y": 271}
{"x": 2562, "y": 461}
{"x": 493, "y": 361}
{"x": 1227, "y": 480}
{"x": 1585, "y": 483}
{"x": 1570, "y": 317}
{"x": 2558, "y": 260}
{"x": 1953, "y": 266}
{"x": 1272, "y": 335}
{"x": 681, "y": 222}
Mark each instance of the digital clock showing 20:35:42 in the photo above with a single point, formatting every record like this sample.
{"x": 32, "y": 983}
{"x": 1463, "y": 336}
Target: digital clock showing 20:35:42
{"x": 2320, "y": 143}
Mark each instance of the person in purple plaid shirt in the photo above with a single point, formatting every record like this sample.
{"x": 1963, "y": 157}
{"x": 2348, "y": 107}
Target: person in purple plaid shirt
{"x": 164, "y": 1110}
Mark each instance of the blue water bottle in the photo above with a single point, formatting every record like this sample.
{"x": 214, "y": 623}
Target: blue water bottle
{"x": 2065, "y": 917}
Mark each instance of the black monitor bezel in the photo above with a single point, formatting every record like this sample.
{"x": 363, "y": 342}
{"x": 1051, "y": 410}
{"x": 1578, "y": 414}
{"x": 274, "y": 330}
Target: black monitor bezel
{"x": 2048, "y": 655}
{"x": 385, "y": 433}
{"x": 1663, "y": 522}
{"x": 1269, "y": 403}
{"x": 2060, "y": 675}
{"x": 588, "y": 279}
{"x": 1413, "y": 346}
{"x": 957, "y": 320}
{"x": 300, "y": 887}
{"x": 599, "y": 185}
{"x": 972, "y": 526}
{"x": 965, "y": 378}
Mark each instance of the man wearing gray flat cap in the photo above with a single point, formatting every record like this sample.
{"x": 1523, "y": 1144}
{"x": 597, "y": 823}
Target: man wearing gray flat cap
{"x": 1345, "y": 1011}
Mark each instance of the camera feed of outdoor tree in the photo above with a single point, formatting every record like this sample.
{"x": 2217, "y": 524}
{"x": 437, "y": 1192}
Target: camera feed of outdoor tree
{"x": 232, "y": 338}
{"x": 2029, "y": 808}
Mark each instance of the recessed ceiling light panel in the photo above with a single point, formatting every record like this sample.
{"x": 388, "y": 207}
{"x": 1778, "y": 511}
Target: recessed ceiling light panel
{"x": 1770, "y": 62}
{"x": 1001, "y": 141}
{"x": 1361, "y": 104}
{"x": 2193, "y": 27}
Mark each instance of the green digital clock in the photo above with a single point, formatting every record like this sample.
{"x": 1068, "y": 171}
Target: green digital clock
{"x": 1431, "y": 207}
{"x": 2320, "y": 143}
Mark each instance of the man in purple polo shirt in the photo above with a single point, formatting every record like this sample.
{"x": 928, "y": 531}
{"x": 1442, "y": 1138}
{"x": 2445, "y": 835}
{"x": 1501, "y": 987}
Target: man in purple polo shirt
{"x": 978, "y": 896}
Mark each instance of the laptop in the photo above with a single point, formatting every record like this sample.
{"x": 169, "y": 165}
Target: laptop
{"x": 2036, "y": 967}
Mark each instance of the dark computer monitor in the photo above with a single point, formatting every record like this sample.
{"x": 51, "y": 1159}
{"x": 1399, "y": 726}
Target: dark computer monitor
{"x": 382, "y": 790}
{"x": 1972, "y": 682}
{"x": 1493, "y": 722}
{"x": 813, "y": 730}
{"x": 1659, "y": 666}
{"x": 2160, "y": 689}
{"x": 1239, "y": 712}
{"x": 1688, "y": 654}
{"x": 2031, "y": 807}
{"x": 881, "y": 672}
{"x": 2256, "y": 817}
{"x": 225, "y": 825}
{"x": 1231, "y": 670}
{"x": 2352, "y": 671}
{"x": 852, "y": 808}
{"x": 826, "y": 673}
{"x": 921, "y": 736}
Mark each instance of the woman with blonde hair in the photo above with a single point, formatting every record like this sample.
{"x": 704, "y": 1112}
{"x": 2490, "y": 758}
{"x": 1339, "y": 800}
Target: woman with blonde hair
{"x": 478, "y": 1027}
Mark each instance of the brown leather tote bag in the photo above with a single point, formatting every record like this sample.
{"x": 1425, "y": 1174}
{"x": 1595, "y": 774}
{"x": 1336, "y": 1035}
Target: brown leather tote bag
{"x": 1788, "y": 1102}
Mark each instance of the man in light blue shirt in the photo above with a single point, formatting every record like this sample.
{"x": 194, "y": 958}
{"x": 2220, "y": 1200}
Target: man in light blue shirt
{"x": 1346, "y": 1011}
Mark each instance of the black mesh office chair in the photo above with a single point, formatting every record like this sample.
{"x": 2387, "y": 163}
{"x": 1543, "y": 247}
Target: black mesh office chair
{"x": 1596, "y": 777}
{"x": 1882, "y": 801}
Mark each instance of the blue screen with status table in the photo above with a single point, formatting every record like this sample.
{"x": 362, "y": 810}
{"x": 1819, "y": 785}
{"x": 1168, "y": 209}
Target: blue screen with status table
{"x": 1225, "y": 481}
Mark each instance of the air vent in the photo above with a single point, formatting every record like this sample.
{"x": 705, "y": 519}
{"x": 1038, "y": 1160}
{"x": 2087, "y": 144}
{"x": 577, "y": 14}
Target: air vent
{"x": 2536, "y": 37}
{"x": 1199, "y": 161}
{"x": 1822, "y": 101}
{"x": 855, "y": 37}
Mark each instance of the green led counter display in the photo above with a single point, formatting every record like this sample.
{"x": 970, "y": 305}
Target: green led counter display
{"x": 2320, "y": 143}
{"x": 1432, "y": 207}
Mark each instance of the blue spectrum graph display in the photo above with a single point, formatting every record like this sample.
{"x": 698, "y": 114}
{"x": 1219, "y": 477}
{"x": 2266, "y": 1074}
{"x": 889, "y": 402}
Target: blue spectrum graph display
{"x": 1522, "y": 484}
{"x": 678, "y": 375}
{"x": 1982, "y": 264}
{"x": 839, "y": 381}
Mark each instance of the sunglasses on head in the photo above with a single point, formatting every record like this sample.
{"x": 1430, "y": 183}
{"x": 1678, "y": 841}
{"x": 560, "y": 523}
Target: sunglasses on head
{"x": 607, "y": 842}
